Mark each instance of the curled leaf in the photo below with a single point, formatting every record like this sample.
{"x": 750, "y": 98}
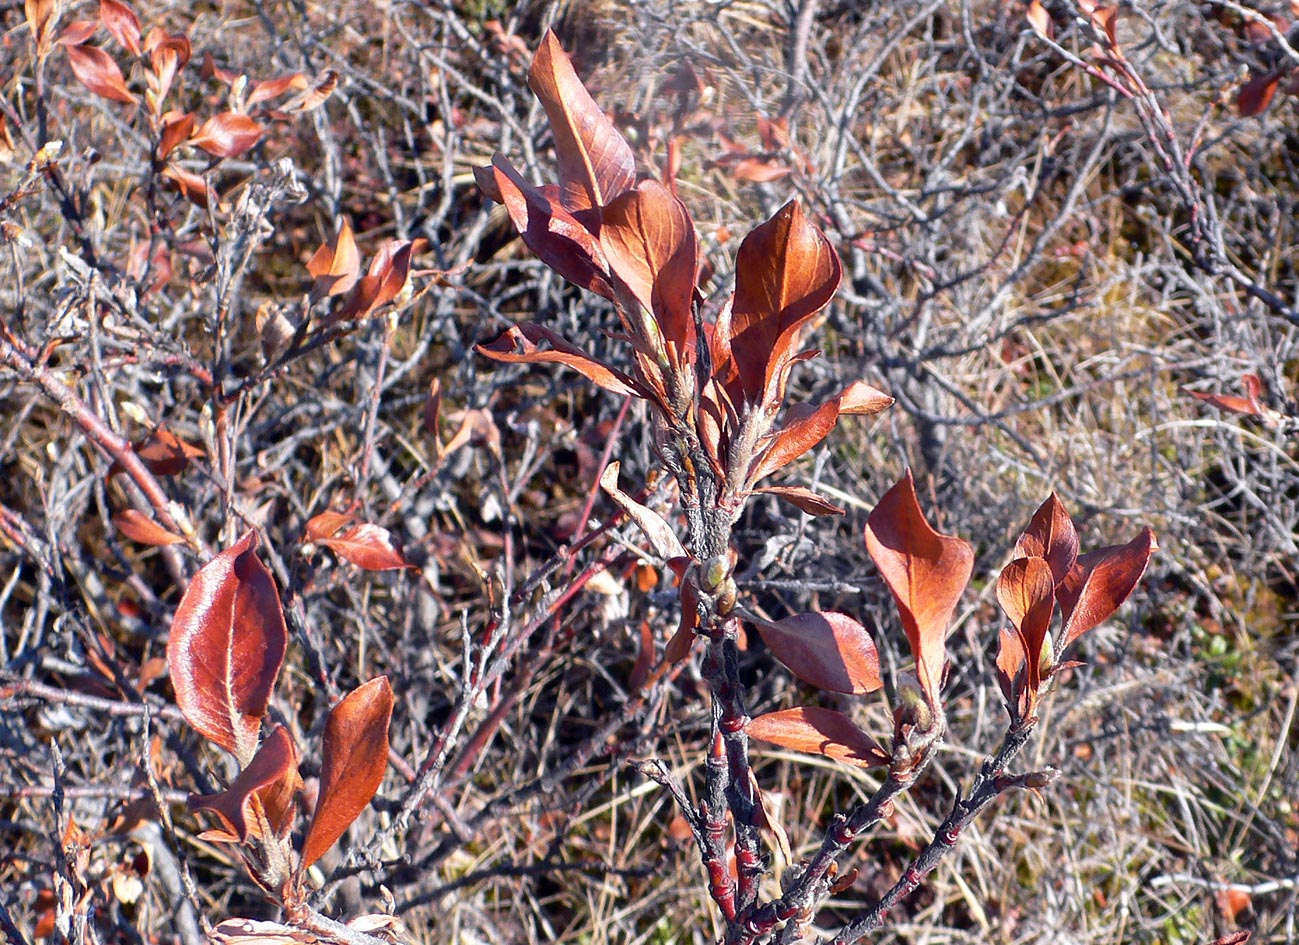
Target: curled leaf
{"x": 1026, "y": 592}
{"x": 355, "y": 757}
{"x": 662, "y": 539}
{"x": 828, "y": 650}
{"x": 273, "y": 770}
{"x": 226, "y": 646}
{"x": 819, "y": 731}
{"x": 518, "y": 345}
{"x": 926, "y": 572}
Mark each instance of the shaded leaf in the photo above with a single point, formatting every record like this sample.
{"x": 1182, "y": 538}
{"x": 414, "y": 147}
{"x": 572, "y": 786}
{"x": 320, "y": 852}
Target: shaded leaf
{"x": 524, "y": 338}
{"x": 1050, "y": 535}
{"x": 662, "y": 539}
{"x": 138, "y": 527}
{"x": 785, "y": 272}
{"x": 336, "y": 265}
{"x": 1256, "y": 95}
{"x": 1026, "y": 592}
{"x": 226, "y": 646}
{"x": 191, "y": 186}
{"x": 596, "y": 164}
{"x": 819, "y": 732}
{"x": 227, "y": 134}
{"x": 1011, "y": 661}
{"x": 547, "y": 228}
{"x": 384, "y": 280}
{"x": 1100, "y": 582}
{"x": 649, "y": 243}
{"x": 166, "y": 454}
{"x": 176, "y": 128}
{"x": 926, "y": 572}
{"x": 355, "y": 756}
{"x": 96, "y": 70}
{"x": 827, "y": 650}
{"x": 275, "y": 764}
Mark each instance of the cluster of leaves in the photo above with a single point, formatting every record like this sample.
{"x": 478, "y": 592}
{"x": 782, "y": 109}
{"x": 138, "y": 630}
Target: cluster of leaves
{"x": 225, "y": 651}
{"x": 716, "y": 386}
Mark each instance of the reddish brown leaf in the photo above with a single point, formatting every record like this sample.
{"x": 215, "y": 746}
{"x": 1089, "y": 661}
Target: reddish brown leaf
{"x": 785, "y": 272}
{"x": 164, "y": 453}
{"x": 77, "y": 32}
{"x": 367, "y": 546}
{"x": 596, "y": 164}
{"x": 191, "y": 186}
{"x": 862, "y": 399}
{"x": 819, "y": 732}
{"x": 827, "y": 650}
{"x": 803, "y": 498}
{"x": 796, "y": 438}
{"x": 1050, "y": 535}
{"x": 326, "y": 524}
{"x": 1099, "y": 583}
{"x": 227, "y": 134}
{"x": 138, "y": 527}
{"x": 40, "y": 19}
{"x": 644, "y": 658}
{"x": 355, "y": 756}
{"x": 1040, "y": 20}
{"x": 176, "y": 128}
{"x": 226, "y": 646}
{"x": 760, "y": 170}
{"x": 122, "y": 24}
{"x": 274, "y": 765}
{"x": 925, "y": 570}
{"x": 336, "y": 265}
{"x": 649, "y": 242}
{"x": 1256, "y": 95}
{"x": 1026, "y": 592}
{"x": 309, "y": 99}
{"x": 1011, "y": 661}
{"x": 167, "y": 55}
{"x": 1249, "y": 407}
{"x": 525, "y": 336}
{"x": 96, "y": 70}
{"x": 549, "y": 230}
{"x": 384, "y": 280}
{"x": 274, "y": 88}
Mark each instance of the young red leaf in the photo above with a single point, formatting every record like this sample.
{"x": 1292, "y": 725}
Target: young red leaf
{"x": 167, "y": 55}
{"x": 796, "y": 438}
{"x": 925, "y": 570}
{"x": 1246, "y": 406}
{"x": 336, "y": 265}
{"x": 785, "y": 272}
{"x": 326, "y": 524}
{"x": 819, "y": 732}
{"x": 1099, "y": 583}
{"x": 596, "y": 164}
{"x": 525, "y": 336}
{"x": 827, "y": 650}
{"x": 176, "y": 128}
{"x": 77, "y": 32}
{"x": 644, "y": 658}
{"x": 803, "y": 499}
{"x": 1050, "y": 535}
{"x": 138, "y": 527}
{"x": 274, "y": 765}
{"x": 191, "y": 186}
{"x": 556, "y": 236}
{"x": 1011, "y": 662}
{"x": 355, "y": 756}
{"x": 649, "y": 242}
{"x": 274, "y": 88}
{"x": 165, "y": 453}
{"x": 367, "y": 546}
{"x": 96, "y": 70}
{"x": 226, "y": 646}
{"x": 862, "y": 399}
{"x": 1026, "y": 592}
{"x": 1256, "y": 95}
{"x": 122, "y": 24}
{"x": 387, "y": 276}
{"x": 227, "y": 134}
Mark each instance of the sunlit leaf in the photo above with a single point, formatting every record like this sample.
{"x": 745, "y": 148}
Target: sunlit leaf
{"x": 925, "y": 570}
{"x": 803, "y": 499}
{"x": 176, "y": 129}
{"x": 819, "y": 732}
{"x": 355, "y": 757}
{"x": 662, "y": 538}
{"x": 518, "y": 345}
{"x": 227, "y": 134}
{"x": 274, "y": 765}
{"x": 226, "y": 646}
{"x": 96, "y": 70}
{"x": 1026, "y": 592}
{"x": 794, "y": 439}
{"x": 336, "y": 265}
{"x": 122, "y": 24}
{"x": 595, "y": 162}
{"x": 827, "y": 650}
{"x": 138, "y": 527}
{"x": 1050, "y": 535}
{"x": 1100, "y": 582}
{"x": 367, "y": 546}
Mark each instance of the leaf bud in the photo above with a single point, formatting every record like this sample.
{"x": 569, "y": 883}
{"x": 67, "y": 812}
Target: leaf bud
{"x": 714, "y": 571}
{"x": 912, "y": 707}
